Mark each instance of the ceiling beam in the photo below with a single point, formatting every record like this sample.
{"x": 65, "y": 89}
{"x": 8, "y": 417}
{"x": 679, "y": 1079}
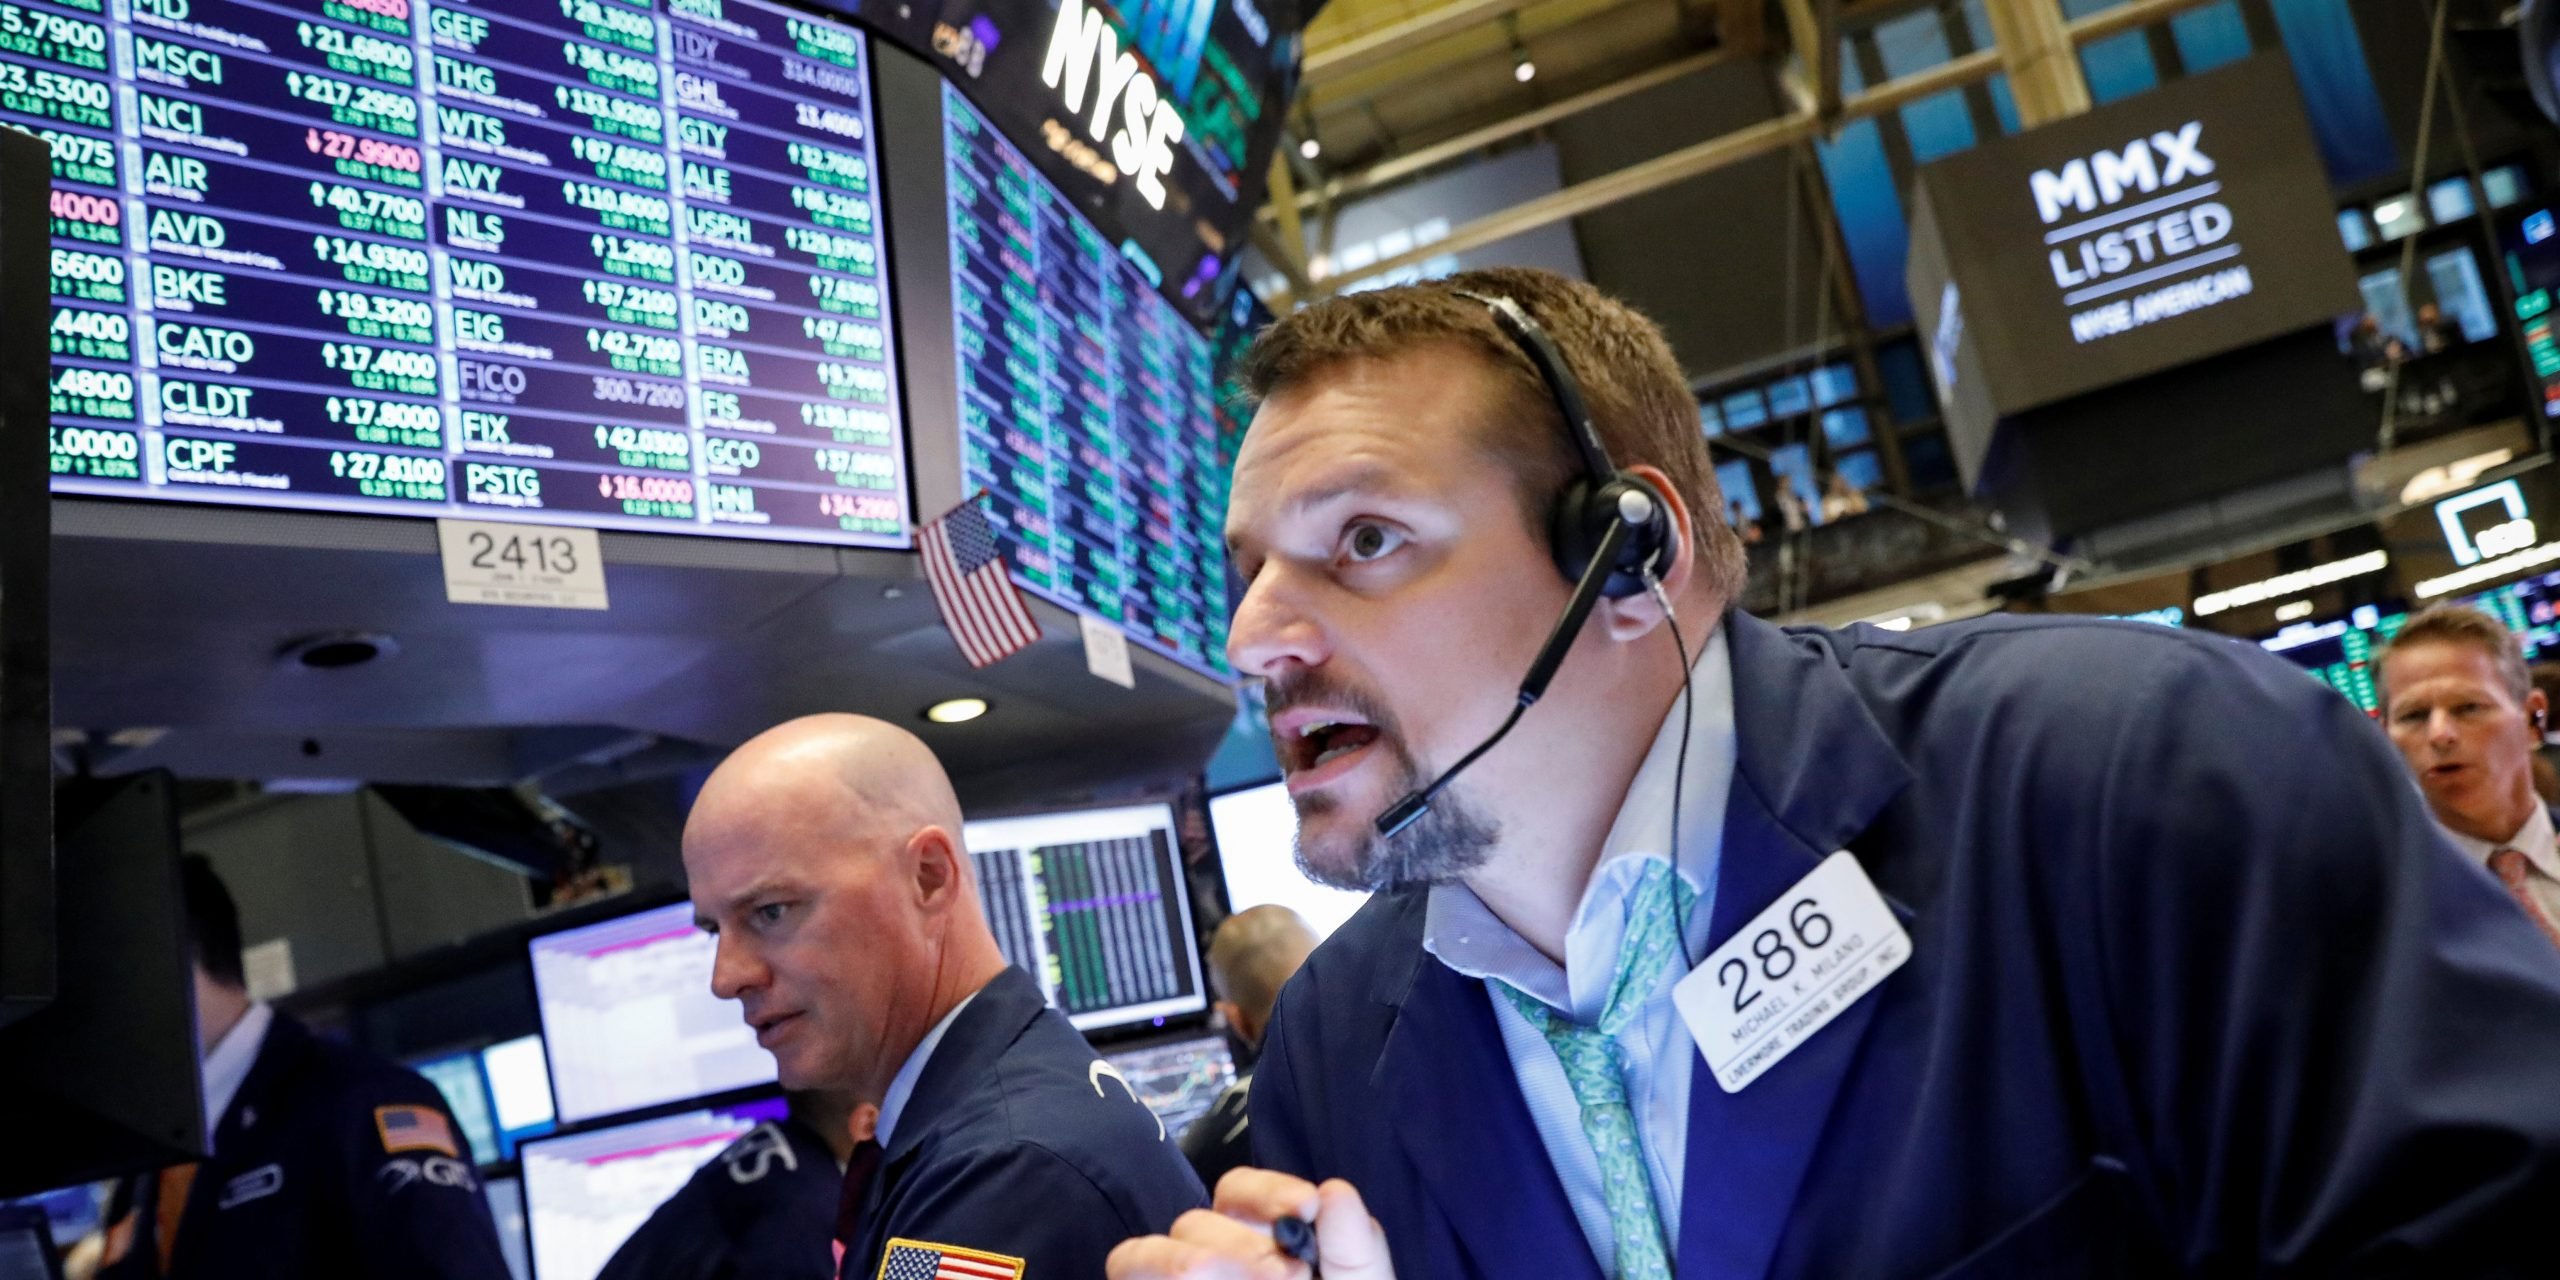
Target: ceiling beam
{"x": 1399, "y": 168}
{"x": 1733, "y": 148}
{"x": 1360, "y": 52}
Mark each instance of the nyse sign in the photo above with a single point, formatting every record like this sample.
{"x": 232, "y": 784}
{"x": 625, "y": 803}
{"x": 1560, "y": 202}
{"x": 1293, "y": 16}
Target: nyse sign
{"x": 2168, "y": 252}
{"x": 1085, "y": 54}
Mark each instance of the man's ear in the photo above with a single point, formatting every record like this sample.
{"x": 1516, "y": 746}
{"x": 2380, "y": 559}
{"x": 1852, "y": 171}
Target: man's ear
{"x": 933, "y": 863}
{"x": 1637, "y": 615}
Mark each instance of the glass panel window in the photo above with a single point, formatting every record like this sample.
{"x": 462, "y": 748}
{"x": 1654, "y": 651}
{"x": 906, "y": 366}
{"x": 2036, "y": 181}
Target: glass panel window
{"x": 2450, "y": 200}
{"x": 1861, "y": 468}
{"x": 1710, "y": 421}
{"x": 2355, "y": 229}
{"x": 1741, "y": 492}
{"x": 1846, "y": 426}
{"x": 1789, "y": 397}
{"x": 1833, "y": 383}
{"x": 2210, "y": 37}
{"x": 2461, "y": 295}
{"x": 1792, "y": 467}
{"x": 2504, "y": 185}
{"x": 2397, "y": 216}
{"x": 1743, "y": 410}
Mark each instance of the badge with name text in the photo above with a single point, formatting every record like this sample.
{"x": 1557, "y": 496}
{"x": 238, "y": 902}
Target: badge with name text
{"x": 1818, "y": 949}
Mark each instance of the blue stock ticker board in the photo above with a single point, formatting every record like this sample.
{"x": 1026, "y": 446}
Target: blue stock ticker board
{"x": 574, "y": 260}
{"x": 1088, "y": 406}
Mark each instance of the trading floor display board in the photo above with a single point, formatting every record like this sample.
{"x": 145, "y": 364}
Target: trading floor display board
{"x": 589, "y": 261}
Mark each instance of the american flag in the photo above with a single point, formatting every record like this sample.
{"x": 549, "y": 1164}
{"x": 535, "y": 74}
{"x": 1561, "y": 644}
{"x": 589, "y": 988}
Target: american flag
{"x": 414, "y": 1129}
{"x": 908, "y": 1260}
{"x": 974, "y": 586}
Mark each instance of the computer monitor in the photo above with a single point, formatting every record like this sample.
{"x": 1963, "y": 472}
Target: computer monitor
{"x": 506, "y": 1206}
{"x": 1257, "y": 833}
{"x": 1178, "y": 1079}
{"x": 519, "y": 1078}
{"x": 585, "y": 1193}
{"x": 103, "y": 1081}
{"x": 466, "y": 1093}
{"x": 26, "y": 1244}
{"x": 1093, "y": 904}
{"x": 629, "y": 1018}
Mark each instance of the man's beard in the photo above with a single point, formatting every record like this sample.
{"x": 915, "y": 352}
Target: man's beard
{"x": 1451, "y": 838}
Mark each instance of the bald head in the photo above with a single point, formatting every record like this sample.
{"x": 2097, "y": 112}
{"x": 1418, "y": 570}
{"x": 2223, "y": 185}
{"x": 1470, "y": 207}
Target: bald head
{"x": 1253, "y": 955}
{"x": 826, "y": 855}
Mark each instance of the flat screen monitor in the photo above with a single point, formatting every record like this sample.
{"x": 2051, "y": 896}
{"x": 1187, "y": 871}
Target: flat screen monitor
{"x": 1257, "y": 834}
{"x": 519, "y": 1077}
{"x": 1178, "y": 1080}
{"x": 1087, "y": 406}
{"x": 629, "y": 1018}
{"x": 466, "y": 1093}
{"x": 606, "y": 264}
{"x": 2339, "y": 652}
{"x": 506, "y": 1206}
{"x": 1093, "y": 904}
{"x": 585, "y": 1193}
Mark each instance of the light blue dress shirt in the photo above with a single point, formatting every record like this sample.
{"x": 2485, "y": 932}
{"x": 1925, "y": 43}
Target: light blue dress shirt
{"x": 902, "y": 1086}
{"x": 1466, "y": 936}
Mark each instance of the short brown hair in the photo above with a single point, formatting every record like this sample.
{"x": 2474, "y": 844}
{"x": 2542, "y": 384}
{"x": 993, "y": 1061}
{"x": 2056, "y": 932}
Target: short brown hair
{"x": 1639, "y": 401}
{"x": 2462, "y": 624}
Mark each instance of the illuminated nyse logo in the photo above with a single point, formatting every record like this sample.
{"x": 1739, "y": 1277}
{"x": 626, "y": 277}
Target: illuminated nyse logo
{"x": 2504, "y": 537}
{"x": 2174, "y": 228}
{"x": 1085, "y": 52}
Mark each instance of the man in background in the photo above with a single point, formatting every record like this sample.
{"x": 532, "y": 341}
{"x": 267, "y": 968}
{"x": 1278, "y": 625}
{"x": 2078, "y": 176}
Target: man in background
{"x": 2463, "y": 711}
{"x": 1251, "y": 958}
{"x": 328, "y": 1162}
{"x": 763, "y": 1209}
{"x": 825, "y": 855}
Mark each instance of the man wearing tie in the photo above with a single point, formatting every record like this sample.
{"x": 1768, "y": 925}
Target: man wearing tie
{"x": 2462, "y": 708}
{"x": 825, "y": 855}
{"x": 2012, "y": 947}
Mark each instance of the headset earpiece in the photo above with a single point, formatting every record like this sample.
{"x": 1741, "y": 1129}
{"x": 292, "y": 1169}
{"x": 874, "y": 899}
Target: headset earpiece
{"x": 1583, "y": 514}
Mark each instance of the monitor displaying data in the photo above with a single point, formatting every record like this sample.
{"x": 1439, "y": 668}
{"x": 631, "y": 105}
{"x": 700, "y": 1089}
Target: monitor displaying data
{"x": 1093, "y": 904}
{"x": 585, "y": 1193}
{"x": 506, "y": 1206}
{"x": 579, "y": 261}
{"x": 1087, "y": 406}
{"x": 629, "y": 1017}
{"x": 1178, "y": 1081}
{"x": 466, "y": 1093}
{"x": 519, "y": 1077}
{"x": 1257, "y": 833}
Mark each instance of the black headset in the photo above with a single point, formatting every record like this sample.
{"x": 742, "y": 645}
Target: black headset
{"x": 1611, "y": 531}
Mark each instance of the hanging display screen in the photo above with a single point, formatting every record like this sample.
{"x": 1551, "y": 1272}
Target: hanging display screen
{"x": 585, "y": 261}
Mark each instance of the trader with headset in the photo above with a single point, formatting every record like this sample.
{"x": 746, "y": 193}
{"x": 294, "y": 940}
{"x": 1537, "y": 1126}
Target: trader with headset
{"x": 2017, "y": 947}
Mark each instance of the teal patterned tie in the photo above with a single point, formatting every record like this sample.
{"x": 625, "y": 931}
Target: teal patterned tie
{"x": 1596, "y": 1068}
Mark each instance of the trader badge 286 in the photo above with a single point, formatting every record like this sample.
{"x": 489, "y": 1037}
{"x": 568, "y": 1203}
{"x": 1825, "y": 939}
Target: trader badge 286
{"x": 2135, "y": 233}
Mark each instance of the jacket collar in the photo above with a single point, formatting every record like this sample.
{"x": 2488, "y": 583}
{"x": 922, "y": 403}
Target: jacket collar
{"x": 967, "y": 1056}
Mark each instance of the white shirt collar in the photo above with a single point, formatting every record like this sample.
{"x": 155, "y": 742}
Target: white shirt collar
{"x": 226, "y": 1068}
{"x": 2536, "y": 840}
{"x": 902, "y": 1086}
{"x": 1467, "y": 936}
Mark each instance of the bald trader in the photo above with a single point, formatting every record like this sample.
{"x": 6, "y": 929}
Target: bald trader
{"x": 826, "y": 856}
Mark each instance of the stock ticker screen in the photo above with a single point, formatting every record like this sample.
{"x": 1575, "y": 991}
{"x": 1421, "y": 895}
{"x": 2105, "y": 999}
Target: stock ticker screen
{"x": 1087, "y": 403}
{"x": 1093, "y": 904}
{"x": 579, "y": 260}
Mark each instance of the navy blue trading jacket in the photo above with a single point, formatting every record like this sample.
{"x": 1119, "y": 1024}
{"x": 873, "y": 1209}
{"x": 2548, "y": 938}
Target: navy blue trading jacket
{"x": 1019, "y": 1142}
{"x": 304, "y": 1183}
{"x": 2196, "y": 988}
{"x": 764, "y": 1208}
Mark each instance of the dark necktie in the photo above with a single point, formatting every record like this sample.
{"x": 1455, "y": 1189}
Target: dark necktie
{"x": 859, "y": 1170}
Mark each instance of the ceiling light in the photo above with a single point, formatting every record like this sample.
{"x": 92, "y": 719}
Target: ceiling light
{"x": 1522, "y": 69}
{"x": 1310, "y": 148}
{"x": 956, "y": 710}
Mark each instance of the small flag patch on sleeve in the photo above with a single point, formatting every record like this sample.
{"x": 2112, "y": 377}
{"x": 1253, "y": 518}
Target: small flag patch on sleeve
{"x": 413, "y": 1128}
{"x": 918, "y": 1260}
